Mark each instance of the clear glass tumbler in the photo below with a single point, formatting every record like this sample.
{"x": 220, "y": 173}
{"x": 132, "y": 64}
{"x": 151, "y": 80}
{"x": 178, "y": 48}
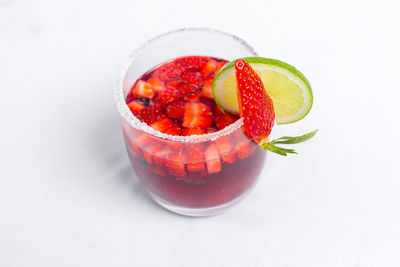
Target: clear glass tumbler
{"x": 160, "y": 161}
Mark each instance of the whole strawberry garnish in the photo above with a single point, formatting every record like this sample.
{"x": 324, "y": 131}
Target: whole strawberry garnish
{"x": 257, "y": 110}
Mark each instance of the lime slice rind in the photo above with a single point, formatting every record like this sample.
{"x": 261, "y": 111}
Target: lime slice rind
{"x": 289, "y": 89}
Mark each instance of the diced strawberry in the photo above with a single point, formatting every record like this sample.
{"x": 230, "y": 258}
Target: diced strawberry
{"x": 162, "y": 125}
{"x": 192, "y": 63}
{"x": 197, "y": 121}
{"x": 243, "y": 146}
{"x": 167, "y": 72}
{"x": 150, "y": 150}
{"x": 157, "y": 84}
{"x": 194, "y": 96}
{"x": 209, "y": 68}
{"x": 206, "y": 90}
{"x": 197, "y": 109}
{"x": 197, "y": 115}
{"x": 173, "y": 84}
{"x": 176, "y": 164}
{"x": 218, "y": 111}
{"x": 176, "y": 147}
{"x": 192, "y": 78}
{"x": 211, "y": 131}
{"x": 219, "y": 66}
{"x": 143, "y": 89}
{"x": 161, "y": 155}
{"x": 192, "y": 131}
{"x": 224, "y": 147}
{"x": 195, "y": 157}
{"x": 176, "y": 110}
{"x": 168, "y": 96}
{"x": 212, "y": 159}
{"x": 136, "y": 106}
{"x": 224, "y": 120}
{"x": 143, "y": 139}
{"x": 176, "y": 130}
{"x": 186, "y": 89}
{"x": 150, "y": 114}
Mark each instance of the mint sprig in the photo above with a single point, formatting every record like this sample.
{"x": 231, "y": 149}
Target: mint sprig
{"x": 286, "y": 140}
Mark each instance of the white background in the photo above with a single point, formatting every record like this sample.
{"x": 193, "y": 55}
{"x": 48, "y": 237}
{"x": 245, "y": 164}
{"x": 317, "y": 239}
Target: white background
{"x": 68, "y": 196}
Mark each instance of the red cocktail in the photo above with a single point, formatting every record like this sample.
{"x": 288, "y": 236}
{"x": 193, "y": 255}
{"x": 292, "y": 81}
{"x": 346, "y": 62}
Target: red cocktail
{"x": 191, "y": 156}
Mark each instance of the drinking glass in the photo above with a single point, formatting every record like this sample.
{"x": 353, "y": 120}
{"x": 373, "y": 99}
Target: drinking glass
{"x": 160, "y": 161}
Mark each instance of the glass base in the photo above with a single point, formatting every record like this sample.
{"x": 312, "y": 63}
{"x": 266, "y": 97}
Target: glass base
{"x": 193, "y": 212}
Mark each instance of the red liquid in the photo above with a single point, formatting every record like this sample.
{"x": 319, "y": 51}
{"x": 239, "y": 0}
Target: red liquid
{"x": 176, "y": 98}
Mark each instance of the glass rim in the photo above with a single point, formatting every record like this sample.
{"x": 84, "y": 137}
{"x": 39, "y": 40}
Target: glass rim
{"x": 133, "y": 121}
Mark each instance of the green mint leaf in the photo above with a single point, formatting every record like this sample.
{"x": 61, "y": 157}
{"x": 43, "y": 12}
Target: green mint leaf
{"x": 294, "y": 140}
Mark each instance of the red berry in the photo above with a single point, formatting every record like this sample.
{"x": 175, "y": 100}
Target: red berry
{"x": 192, "y": 131}
{"x": 176, "y": 164}
{"x": 206, "y": 90}
{"x": 192, "y": 63}
{"x": 162, "y": 125}
{"x": 157, "y": 84}
{"x": 192, "y": 78}
{"x": 212, "y": 159}
{"x": 143, "y": 89}
{"x": 176, "y": 130}
{"x": 254, "y": 103}
{"x": 136, "y": 106}
{"x": 209, "y": 68}
{"x": 150, "y": 114}
{"x": 224, "y": 120}
{"x": 167, "y": 72}
{"x": 195, "y": 157}
{"x": 176, "y": 110}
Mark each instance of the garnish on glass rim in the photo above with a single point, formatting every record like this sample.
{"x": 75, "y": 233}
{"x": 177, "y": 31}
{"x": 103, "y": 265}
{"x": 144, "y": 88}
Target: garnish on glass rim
{"x": 257, "y": 110}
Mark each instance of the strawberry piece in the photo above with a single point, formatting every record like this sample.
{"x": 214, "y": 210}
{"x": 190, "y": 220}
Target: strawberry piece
{"x": 224, "y": 120}
{"x": 255, "y": 105}
{"x": 186, "y": 89}
{"x": 197, "y": 109}
{"x": 143, "y": 89}
{"x": 162, "y": 125}
{"x": 195, "y": 159}
{"x": 206, "y": 90}
{"x": 218, "y": 111}
{"x": 197, "y": 115}
{"x": 143, "y": 140}
{"x": 224, "y": 147}
{"x": 136, "y": 106}
{"x": 173, "y": 84}
{"x": 192, "y": 78}
{"x": 194, "y": 96}
{"x": 192, "y": 131}
{"x": 212, "y": 159}
{"x": 243, "y": 146}
{"x": 211, "y": 131}
{"x": 193, "y": 63}
{"x": 209, "y": 68}
{"x": 157, "y": 84}
{"x": 150, "y": 150}
{"x": 219, "y": 66}
{"x": 168, "y": 96}
{"x": 176, "y": 147}
{"x": 167, "y": 72}
{"x": 176, "y": 164}
{"x": 197, "y": 121}
{"x": 161, "y": 155}
{"x": 176, "y": 130}
{"x": 176, "y": 110}
{"x": 150, "y": 114}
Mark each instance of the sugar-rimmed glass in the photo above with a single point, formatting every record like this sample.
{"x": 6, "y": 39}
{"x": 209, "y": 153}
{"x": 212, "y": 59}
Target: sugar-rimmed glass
{"x": 190, "y": 194}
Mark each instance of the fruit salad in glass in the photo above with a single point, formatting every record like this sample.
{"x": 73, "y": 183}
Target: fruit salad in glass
{"x": 196, "y": 127}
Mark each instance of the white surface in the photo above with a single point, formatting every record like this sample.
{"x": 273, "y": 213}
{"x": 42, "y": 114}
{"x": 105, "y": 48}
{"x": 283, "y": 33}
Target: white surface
{"x": 67, "y": 193}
